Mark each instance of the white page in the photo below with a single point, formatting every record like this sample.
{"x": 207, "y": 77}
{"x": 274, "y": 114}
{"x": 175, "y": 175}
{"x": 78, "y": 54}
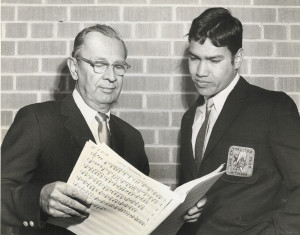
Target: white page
{"x": 125, "y": 201}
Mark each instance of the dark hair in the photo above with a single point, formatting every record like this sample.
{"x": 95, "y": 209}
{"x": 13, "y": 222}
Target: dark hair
{"x": 220, "y": 27}
{"x": 101, "y": 28}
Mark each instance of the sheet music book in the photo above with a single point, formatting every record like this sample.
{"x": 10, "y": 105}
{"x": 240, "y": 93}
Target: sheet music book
{"x": 125, "y": 201}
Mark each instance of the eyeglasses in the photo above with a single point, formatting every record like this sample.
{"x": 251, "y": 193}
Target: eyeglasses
{"x": 102, "y": 66}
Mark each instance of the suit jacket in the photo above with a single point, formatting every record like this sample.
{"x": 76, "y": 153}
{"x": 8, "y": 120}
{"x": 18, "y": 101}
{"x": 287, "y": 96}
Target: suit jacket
{"x": 41, "y": 147}
{"x": 268, "y": 201}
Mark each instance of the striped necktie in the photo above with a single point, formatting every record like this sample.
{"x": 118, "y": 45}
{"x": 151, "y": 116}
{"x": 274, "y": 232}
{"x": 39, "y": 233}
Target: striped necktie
{"x": 103, "y": 132}
{"x": 200, "y": 140}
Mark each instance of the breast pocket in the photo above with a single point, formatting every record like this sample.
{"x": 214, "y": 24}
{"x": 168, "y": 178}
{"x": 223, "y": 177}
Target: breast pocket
{"x": 243, "y": 162}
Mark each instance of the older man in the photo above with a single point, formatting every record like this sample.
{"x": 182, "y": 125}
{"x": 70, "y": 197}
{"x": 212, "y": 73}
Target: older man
{"x": 45, "y": 140}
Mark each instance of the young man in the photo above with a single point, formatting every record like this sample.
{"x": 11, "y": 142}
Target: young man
{"x": 254, "y": 131}
{"x": 46, "y": 139}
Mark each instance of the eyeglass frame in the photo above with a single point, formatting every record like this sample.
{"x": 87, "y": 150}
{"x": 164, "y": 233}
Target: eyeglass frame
{"x": 94, "y": 63}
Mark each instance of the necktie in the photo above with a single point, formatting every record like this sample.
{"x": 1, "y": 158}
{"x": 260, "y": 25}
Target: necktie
{"x": 104, "y": 135}
{"x": 200, "y": 140}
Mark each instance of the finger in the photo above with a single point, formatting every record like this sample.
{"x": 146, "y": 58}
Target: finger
{"x": 191, "y": 217}
{"x": 194, "y": 210}
{"x": 78, "y": 195}
{"x": 72, "y": 206}
{"x": 202, "y": 202}
{"x": 66, "y": 211}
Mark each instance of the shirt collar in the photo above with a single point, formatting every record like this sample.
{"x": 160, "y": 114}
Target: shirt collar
{"x": 220, "y": 98}
{"x": 87, "y": 112}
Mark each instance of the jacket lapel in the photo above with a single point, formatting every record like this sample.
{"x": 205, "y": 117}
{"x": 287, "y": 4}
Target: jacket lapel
{"x": 232, "y": 107}
{"x": 75, "y": 122}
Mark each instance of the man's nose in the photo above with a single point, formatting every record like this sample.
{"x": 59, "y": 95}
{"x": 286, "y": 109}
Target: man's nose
{"x": 109, "y": 74}
{"x": 202, "y": 70}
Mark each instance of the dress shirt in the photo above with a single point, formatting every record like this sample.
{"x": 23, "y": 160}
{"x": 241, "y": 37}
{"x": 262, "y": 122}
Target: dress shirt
{"x": 218, "y": 100}
{"x": 89, "y": 115}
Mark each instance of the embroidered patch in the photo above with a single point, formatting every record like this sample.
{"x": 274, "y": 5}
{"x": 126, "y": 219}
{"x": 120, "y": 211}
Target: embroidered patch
{"x": 240, "y": 161}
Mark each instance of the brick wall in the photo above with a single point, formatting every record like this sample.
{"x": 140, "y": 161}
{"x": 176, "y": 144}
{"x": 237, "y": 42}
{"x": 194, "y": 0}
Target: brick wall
{"x": 37, "y": 37}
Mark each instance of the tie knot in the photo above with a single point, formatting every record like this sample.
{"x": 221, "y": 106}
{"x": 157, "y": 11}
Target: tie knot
{"x": 209, "y": 104}
{"x": 101, "y": 117}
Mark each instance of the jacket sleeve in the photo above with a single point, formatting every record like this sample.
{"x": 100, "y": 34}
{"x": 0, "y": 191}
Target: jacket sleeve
{"x": 21, "y": 149}
{"x": 285, "y": 145}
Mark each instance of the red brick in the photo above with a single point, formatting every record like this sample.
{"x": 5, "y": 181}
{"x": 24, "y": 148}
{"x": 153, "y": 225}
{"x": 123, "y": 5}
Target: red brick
{"x": 169, "y": 66}
{"x": 167, "y": 173}
{"x": 55, "y": 65}
{"x": 168, "y": 101}
{"x": 168, "y": 137}
{"x": 46, "y": 83}
{"x": 146, "y": 118}
{"x": 146, "y": 30}
{"x": 67, "y": 30}
{"x": 176, "y": 118}
{"x": 289, "y": 84}
{"x": 172, "y": 30}
{"x": 151, "y": 48}
{"x": 277, "y": 32}
{"x": 295, "y": 32}
{"x": 181, "y": 48}
{"x": 259, "y": 15}
{"x": 275, "y": 66}
{"x": 147, "y": 14}
{"x": 126, "y": 101}
{"x": 251, "y": 31}
{"x": 44, "y": 13}
{"x": 288, "y": 49}
{"x": 53, "y": 96}
{"x": 6, "y": 118}
{"x": 70, "y": 2}
{"x": 42, "y": 48}
{"x": 136, "y": 65}
{"x": 42, "y": 30}
{"x": 264, "y": 82}
{"x": 7, "y": 48}
{"x": 148, "y": 136}
{"x": 18, "y": 65}
{"x": 277, "y": 2}
{"x": 123, "y": 1}
{"x": 7, "y": 83}
{"x": 7, "y": 13}
{"x": 92, "y": 13}
{"x": 16, "y": 101}
{"x": 123, "y": 29}
{"x": 289, "y": 15}
{"x": 226, "y": 2}
{"x": 158, "y": 154}
{"x": 188, "y": 13}
{"x": 146, "y": 83}
{"x": 22, "y": 1}
{"x": 174, "y": 2}
{"x": 258, "y": 48}
{"x": 16, "y": 30}
{"x": 183, "y": 84}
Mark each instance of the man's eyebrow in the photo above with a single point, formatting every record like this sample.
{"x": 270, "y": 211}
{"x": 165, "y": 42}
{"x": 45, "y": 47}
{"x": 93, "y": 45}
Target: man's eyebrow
{"x": 207, "y": 57}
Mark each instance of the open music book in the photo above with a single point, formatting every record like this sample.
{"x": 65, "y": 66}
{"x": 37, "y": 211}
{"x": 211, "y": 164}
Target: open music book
{"x": 125, "y": 201}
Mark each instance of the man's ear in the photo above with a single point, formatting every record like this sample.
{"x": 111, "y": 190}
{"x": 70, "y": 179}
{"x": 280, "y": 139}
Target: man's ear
{"x": 72, "y": 64}
{"x": 238, "y": 58}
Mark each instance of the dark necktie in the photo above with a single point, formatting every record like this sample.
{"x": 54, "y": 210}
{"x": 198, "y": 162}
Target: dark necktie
{"x": 104, "y": 135}
{"x": 200, "y": 140}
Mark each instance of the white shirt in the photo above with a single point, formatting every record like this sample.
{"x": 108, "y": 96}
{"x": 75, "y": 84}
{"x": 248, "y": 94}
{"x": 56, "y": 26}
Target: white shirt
{"x": 219, "y": 101}
{"x": 89, "y": 115}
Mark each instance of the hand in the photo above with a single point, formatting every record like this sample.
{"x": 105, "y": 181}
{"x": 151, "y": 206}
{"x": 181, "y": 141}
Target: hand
{"x": 194, "y": 213}
{"x": 59, "y": 199}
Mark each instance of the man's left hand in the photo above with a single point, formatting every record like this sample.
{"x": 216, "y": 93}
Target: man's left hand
{"x": 194, "y": 213}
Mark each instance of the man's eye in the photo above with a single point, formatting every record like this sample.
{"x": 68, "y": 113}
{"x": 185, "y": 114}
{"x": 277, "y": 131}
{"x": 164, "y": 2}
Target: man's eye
{"x": 215, "y": 61}
{"x": 100, "y": 65}
{"x": 193, "y": 58}
{"x": 119, "y": 66}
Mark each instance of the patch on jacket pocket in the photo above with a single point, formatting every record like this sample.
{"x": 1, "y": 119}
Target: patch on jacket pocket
{"x": 240, "y": 161}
